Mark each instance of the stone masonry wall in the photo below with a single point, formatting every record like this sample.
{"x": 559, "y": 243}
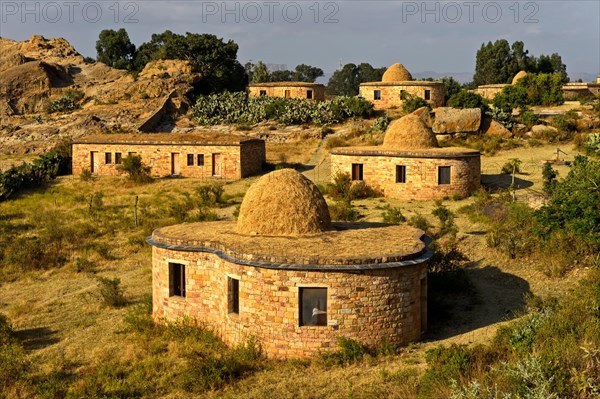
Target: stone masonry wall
{"x": 421, "y": 175}
{"x": 390, "y": 94}
{"x": 158, "y": 157}
{"x": 364, "y": 305}
{"x": 252, "y": 157}
{"x": 295, "y": 91}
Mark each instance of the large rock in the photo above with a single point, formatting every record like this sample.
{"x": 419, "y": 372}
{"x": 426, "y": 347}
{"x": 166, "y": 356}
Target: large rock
{"x": 425, "y": 114}
{"x": 494, "y": 128}
{"x": 453, "y": 120}
{"x": 543, "y": 129}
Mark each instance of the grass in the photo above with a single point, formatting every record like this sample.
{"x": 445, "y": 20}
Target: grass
{"x": 69, "y": 344}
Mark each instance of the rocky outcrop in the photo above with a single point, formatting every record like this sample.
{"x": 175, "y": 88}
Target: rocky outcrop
{"x": 540, "y": 130}
{"x": 494, "y": 128}
{"x": 452, "y": 120}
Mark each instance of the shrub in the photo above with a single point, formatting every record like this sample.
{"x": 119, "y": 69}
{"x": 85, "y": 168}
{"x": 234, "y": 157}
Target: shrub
{"x": 512, "y": 166}
{"x": 467, "y": 99}
{"x": 411, "y": 103}
{"x": 592, "y": 144}
{"x": 380, "y": 124}
{"x": 392, "y": 215}
{"x": 66, "y": 103}
{"x": 420, "y": 222}
{"x": 343, "y": 210}
{"x": 111, "y": 292}
{"x": 210, "y": 194}
{"x": 503, "y": 117}
{"x": 542, "y": 89}
{"x": 350, "y": 351}
{"x": 135, "y": 169}
{"x": 86, "y": 175}
{"x": 340, "y": 188}
{"x": 529, "y": 118}
{"x": 446, "y": 218}
{"x": 511, "y": 96}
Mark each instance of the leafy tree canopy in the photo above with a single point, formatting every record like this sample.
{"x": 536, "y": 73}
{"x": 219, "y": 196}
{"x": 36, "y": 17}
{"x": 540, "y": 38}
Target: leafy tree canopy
{"x": 115, "y": 49}
{"x": 346, "y": 81}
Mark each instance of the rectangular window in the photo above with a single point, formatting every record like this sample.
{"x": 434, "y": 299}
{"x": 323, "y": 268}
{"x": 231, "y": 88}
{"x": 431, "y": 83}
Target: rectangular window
{"x": 357, "y": 171}
{"x": 263, "y": 93}
{"x": 118, "y": 157}
{"x": 377, "y": 95}
{"x": 287, "y": 93}
{"x": 107, "y": 158}
{"x": 427, "y": 94}
{"x": 400, "y": 174}
{"x": 200, "y": 159}
{"x": 176, "y": 279}
{"x": 443, "y": 174}
{"x": 190, "y": 159}
{"x": 233, "y": 295}
{"x": 313, "y": 306}
{"x": 309, "y": 94}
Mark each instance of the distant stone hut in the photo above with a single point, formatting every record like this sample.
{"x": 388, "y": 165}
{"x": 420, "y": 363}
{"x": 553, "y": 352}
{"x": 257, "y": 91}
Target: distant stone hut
{"x": 304, "y": 90}
{"x": 395, "y": 80}
{"x": 289, "y": 277}
{"x": 578, "y": 91}
{"x": 490, "y": 91}
{"x": 169, "y": 154}
{"x": 410, "y": 164}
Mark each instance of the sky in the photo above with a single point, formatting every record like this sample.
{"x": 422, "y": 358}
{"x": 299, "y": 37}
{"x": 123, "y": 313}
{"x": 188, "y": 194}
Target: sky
{"x": 424, "y": 36}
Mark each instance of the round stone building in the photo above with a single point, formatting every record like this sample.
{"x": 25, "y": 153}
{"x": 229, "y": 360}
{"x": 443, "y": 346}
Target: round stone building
{"x": 285, "y": 274}
{"x": 395, "y": 80}
{"x": 410, "y": 164}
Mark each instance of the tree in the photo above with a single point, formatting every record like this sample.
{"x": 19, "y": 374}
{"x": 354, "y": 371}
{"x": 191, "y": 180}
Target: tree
{"x": 215, "y": 59}
{"x": 346, "y": 81}
{"x": 260, "y": 73}
{"x": 136, "y": 170}
{"x": 467, "y": 99}
{"x": 543, "y": 88}
{"x": 512, "y": 96}
{"x": 115, "y": 49}
{"x": 281, "y": 76}
{"x": 307, "y": 73}
{"x": 369, "y": 74}
{"x": 451, "y": 87}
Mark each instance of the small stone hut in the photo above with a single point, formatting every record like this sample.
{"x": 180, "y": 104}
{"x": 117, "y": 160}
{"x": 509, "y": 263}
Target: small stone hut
{"x": 395, "y": 80}
{"x": 410, "y": 164}
{"x": 490, "y": 91}
{"x": 285, "y": 274}
{"x": 170, "y": 154}
{"x": 304, "y": 90}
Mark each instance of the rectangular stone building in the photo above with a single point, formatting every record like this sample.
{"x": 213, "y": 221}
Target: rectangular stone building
{"x": 169, "y": 154}
{"x": 305, "y": 90}
{"x": 385, "y": 95}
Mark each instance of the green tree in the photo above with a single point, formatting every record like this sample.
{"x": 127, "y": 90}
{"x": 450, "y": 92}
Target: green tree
{"x": 346, "y": 81}
{"x": 467, "y": 99}
{"x": 281, "y": 76}
{"x": 307, "y": 73}
{"x": 135, "y": 169}
{"x": 451, "y": 87}
{"x": 260, "y": 73}
{"x": 512, "y": 96}
{"x": 543, "y": 88}
{"x": 115, "y": 49}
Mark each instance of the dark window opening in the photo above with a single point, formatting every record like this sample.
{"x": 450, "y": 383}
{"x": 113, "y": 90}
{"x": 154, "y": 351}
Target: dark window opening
{"x": 444, "y": 175}
{"x": 176, "y": 279}
{"x": 427, "y": 94}
{"x": 377, "y": 95}
{"x": 190, "y": 159}
{"x": 400, "y": 174}
{"x": 313, "y": 306}
{"x": 309, "y": 94}
{"x": 107, "y": 158}
{"x": 118, "y": 157}
{"x": 357, "y": 171}
{"x": 263, "y": 93}
{"x": 200, "y": 159}
{"x": 287, "y": 93}
{"x": 233, "y": 295}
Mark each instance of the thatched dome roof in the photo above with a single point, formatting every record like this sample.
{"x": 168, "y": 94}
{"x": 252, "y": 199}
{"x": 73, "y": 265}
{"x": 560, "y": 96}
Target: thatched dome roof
{"x": 283, "y": 203}
{"x": 519, "y": 75}
{"x": 396, "y": 73}
{"x": 409, "y": 132}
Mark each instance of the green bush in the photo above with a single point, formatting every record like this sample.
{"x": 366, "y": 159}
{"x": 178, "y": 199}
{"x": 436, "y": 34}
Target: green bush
{"x": 542, "y": 88}
{"x": 239, "y": 108}
{"x": 592, "y": 144}
{"x": 503, "y": 117}
{"x": 467, "y": 99}
{"x": 135, "y": 169}
{"x": 343, "y": 210}
{"x": 511, "y": 96}
{"x": 392, "y": 215}
{"x": 66, "y": 103}
{"x": 381, "y": 124}
{"x": 420, "y": 222}
{"x": 350, "y": 351}
{"x": 111, "y": 292}
{"x": 211, "y": 194}
{"x": 529, "y": 118}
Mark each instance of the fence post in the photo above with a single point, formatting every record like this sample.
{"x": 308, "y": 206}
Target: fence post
{"x": 135, "y": 206}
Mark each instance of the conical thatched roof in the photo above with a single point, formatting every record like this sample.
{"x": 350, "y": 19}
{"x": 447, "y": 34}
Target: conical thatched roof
{"x": 396, "y": 73}
{"x": 409, "y": 132}
{"x": 283, "y": 203}
{"x": 519, "y": 75}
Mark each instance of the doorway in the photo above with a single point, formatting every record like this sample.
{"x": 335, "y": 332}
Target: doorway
{"x": 175, "y": 166}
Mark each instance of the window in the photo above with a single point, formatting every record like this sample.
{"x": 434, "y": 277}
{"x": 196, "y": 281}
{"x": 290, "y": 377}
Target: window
{"x": 309, "y": 94}
{"x": 427, "y": 94}
{"x": 377, "y": 95}
{"x": 190, "y": 159}
{"x": 263, "y": 93}
{"x": 118, "y": 158}
{"x": 287, "y": 93}
{"x": 444, "y": 175}
{"x": 176, "y": 279}
{"x": 357, "y": 171}
{"x": 400, "y": 174}
{"x": 233, "y": 295}
{"x": 107, "y": 158}
{"x": 200, "y": 159}
{"x": 313, "y": 306}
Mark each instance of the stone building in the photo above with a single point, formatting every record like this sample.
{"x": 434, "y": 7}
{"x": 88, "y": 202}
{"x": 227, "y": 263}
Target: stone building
{"x": 579, "y": 91}
{"x": 410, "y": 164}
{"x": 285, "y": 274}
{"x": 169, "y": 154}
{"x": 395, "y": 80}
{"x": 305, "y": 90}
{"x": 490, "y": 91}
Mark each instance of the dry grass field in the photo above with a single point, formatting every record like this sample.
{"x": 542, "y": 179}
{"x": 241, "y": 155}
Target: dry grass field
{"x": 65, "y": 325}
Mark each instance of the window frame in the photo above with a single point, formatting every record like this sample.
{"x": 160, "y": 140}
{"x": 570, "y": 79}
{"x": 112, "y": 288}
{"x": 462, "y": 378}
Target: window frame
{"x": 322, "y": 321}
{"x": 401, "y": 177}
{"x": 442, "y": 175}
{"x": 177, "y": 275}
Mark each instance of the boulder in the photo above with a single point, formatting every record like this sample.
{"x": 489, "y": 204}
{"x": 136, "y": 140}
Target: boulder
{"x": 453, "y": 120}
{"x": 425, "y": 114}
{"x": 494, "y": 128}
{"x": 541, "y": 129}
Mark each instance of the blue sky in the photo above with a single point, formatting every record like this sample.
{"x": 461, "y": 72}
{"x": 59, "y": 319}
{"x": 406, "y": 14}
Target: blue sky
{"x": 424, "y": 36}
